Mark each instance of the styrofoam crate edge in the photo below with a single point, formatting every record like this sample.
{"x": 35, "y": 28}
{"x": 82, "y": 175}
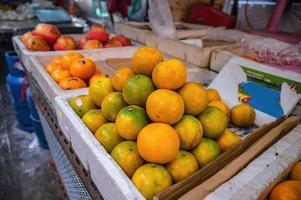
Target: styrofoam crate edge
{"x": 105, "y": 172}
{"x": 249, "y": 183}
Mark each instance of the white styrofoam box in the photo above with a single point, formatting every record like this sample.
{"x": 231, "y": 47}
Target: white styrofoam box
{"x": 52, "y": 89}
{"x": 262, "y": 171}
{"x": 109, "y": 178}
{"x": 24, "y": 54}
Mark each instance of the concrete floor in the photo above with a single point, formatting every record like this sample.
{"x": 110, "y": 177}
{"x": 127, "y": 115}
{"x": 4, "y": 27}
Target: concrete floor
{"x": 24, "y": 168}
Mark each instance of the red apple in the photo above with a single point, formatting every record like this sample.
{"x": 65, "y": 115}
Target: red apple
{"x": 123, "y": 40}
{"x": 98, "y": 32}
{"x": 64, "y": 42}
{"x": 82, "y": 42}
{"x": 92, "y": 44}
{"x": 26, "y": 36}
{"x": 47, "y": 31}
{"x": 36, "y": 43}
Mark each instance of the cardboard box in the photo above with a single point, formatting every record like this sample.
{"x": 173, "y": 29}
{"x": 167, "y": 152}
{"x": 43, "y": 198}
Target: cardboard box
{"x": 256, "y": 180}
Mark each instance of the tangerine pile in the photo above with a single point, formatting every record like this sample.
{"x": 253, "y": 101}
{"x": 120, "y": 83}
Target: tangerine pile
{"x": 73, "y": 71}
{"x": 159, "y": 128}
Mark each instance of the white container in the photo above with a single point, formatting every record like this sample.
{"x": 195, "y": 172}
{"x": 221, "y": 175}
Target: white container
{"x": 24, "y": 53}
{"x": 52, "y": 89}
{"x": 109, "y": 178}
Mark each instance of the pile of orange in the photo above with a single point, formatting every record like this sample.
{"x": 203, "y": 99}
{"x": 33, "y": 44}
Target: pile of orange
{"x": 162, "y": 128}
{"x": 289, "y": 189}
{"x": 73, "y": 71}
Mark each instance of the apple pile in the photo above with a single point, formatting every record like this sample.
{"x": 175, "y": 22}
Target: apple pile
{"x": 46, "y": 37}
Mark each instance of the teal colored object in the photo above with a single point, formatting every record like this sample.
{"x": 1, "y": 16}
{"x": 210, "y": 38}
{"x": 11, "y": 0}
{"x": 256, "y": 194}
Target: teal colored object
{"x": 263, "y": 98}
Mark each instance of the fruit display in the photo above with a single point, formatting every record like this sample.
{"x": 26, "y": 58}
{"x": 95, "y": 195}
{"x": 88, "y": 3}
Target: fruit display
{"x": 289, "y": 189}
{"x": 73, "y": 71}
{"x": 47, "y": 37}
{"x": 159, "y": 128}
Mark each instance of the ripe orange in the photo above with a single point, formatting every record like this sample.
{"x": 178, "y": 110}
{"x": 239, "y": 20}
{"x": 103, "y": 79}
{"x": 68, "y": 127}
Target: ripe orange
{"x": 112, "y": 104}
{"x": 107, "y": 135}
{"x": 127, "y": 157}
{"x": 68, "y": 58}
{"x": 228, "y": 139}
{"x": 195, "y": 97}
{"x": 94, "y": 119}
{"x": 60, "y": 74}
{"x": 214, "y": 122}
{"x": 190, "y": 132}
{"x": 165, "y": 106}
{"x": 221, "y": 105}
{"x": 158, "y": 143}
{"x": 296, "y": 172}
{"x": 151, "y": 179}
{"x": 137, "y": 89}
{"x": 83, "y": 68}
{"x": 242, "y": 115}
{"x": 287, "y": 190}
{"x": 170, "y": 74}
{"x": 182, "y": 166}
{"x": 207, "y": 151}
{"x": 57, "y": 60}
{"x": 121, "y": 76}
{"x": 51, "y": 67}
{"x": 145, "y": 59}
{"x": 130, "y": 120}
{"x": 213, "y": 94}
{"x": 71, "y": 83}
{"x": 96, "y": 76}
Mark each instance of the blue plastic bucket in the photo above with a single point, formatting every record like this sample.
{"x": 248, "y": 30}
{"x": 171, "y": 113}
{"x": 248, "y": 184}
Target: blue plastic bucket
{"x": 13, "y": 64}
{"x": 31, "y": 104}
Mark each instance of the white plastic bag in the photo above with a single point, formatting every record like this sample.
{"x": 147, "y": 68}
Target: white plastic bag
{"x": 160, "y": 19}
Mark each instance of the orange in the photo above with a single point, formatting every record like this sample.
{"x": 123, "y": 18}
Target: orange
{"x": 190, "y": 132}
{"x": 130, "y": 120}
{"x": 81, "y": 104}
{"x": 107, "y": 135}
{"x": 182, "y": 166}
{"x": 83, "y": 68}
{"x": 214, "y": 122}
{"x": 228, "y": 139}
{"x": 97, "y": 71}
{"x": 242, "y": 115}
{"x": 95, "y": 77}
{"x": 213, "y": 94}
{"x": 221, "y": 105}
{"x": 195, "y": 97}
{"x": 121, "y": 76}
{"x": 165, "y": 106}
{"x": 100, "y": 89}
{"x": 207, "y": 151}
{"x": 151, "y": 179}
{"x": 94, "y": 119}
{"x": 137, "y": 89}
{"x": 57, "y": 60}
{"x": 145, "y": 59}
{"x": 68, "y": 58}
{"x": 127, "y": 157}
{"x": 51, "y": 67}
{"x": 71, "y": 83}
{"x": 287, "y": 190}
{"x": 158, "y": 143}
{"x": 60, "y": 74}
{"x": 296, "y": 172}
{"x": 170, "y": 74}
{"x": 112, "y": 104}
